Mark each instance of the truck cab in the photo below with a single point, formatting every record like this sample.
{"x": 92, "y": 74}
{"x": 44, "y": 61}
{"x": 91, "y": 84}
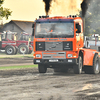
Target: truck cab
{"x": 58, "y": 43}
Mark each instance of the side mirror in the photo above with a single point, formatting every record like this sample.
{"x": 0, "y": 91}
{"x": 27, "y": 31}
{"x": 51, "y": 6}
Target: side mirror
{"x": 78, "y": 27}
{"x": 33, "y": 30}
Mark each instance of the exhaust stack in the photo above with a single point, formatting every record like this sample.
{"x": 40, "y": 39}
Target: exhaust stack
{"x": 84, "y": 7}
{"x": 47, "y": 6}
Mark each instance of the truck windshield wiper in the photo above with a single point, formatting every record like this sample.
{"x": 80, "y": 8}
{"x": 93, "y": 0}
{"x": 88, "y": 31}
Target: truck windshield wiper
{"x": 40, "y": 36}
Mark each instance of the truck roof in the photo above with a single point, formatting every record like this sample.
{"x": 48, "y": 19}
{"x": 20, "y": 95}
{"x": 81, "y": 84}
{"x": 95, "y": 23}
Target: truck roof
{"x": 56, "y": 19}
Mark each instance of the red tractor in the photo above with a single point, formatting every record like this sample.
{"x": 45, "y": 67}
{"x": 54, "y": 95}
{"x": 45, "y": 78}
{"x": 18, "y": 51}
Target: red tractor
{"x": 24, "y": 44}
{"x": 8, "y": 43}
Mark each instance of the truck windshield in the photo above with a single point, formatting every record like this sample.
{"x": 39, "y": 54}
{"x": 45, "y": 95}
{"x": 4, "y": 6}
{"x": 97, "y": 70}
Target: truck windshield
{"x": 54, "y": 30}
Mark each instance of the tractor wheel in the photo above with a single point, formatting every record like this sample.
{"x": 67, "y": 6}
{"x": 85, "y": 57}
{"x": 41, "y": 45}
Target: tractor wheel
{"x": 78, "y": 67}
{"x": 42, "y": 68}
{"x": 30, "y": 51}
{"x": 95, "y": 69}
{"x": 23, "y": 49}
{"x": 16, "y": 50}
{"x": 10, "y": 50}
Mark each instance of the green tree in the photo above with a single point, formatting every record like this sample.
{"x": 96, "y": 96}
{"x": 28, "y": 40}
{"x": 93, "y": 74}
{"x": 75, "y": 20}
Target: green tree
{"x": 92, "y": 18}
{"x": 4, "y": 12}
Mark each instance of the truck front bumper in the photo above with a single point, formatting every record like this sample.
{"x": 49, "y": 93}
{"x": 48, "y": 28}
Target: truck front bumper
{"x": 55, "y": 61}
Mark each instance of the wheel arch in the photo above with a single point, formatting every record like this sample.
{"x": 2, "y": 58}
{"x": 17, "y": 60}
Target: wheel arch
{"x": 21, "y": 44}
{"x": 8, "y": 46}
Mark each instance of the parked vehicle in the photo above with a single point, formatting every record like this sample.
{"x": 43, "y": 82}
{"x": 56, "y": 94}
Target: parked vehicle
{"x": 8, "y": 42}
{"x": 24, "y": 44}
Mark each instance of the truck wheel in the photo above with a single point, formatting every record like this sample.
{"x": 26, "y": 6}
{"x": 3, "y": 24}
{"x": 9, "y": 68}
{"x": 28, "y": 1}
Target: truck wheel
{"x": 10, "y": 50}
{"x": 95, "y": 68}
{"x": 42, "y": 68}
{"x": 78, "y": 67}
{"x": 23, "y": 49}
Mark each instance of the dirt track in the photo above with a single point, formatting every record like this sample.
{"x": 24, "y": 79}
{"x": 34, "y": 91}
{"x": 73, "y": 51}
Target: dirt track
{"x": 15, "y": 61}
{"x": 28, "y": 84}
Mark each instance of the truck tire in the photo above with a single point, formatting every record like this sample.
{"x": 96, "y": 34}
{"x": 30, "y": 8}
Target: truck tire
{"x": 78, "y": 68}
{"x": 95, "y": 69}
{"x": 42, "y": 68}
{"x": 23, "y": 49}
{"x": 10, "y": 50}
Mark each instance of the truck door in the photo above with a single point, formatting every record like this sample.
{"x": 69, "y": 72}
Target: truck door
{"x": 79, "y": 35}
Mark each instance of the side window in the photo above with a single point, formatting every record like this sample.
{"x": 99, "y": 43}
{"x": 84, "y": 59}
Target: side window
{"x": 78, "y": 27}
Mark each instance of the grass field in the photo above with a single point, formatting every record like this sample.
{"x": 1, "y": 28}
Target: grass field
{"x": 16, "y": 66}
{"x": 16, "y": 56}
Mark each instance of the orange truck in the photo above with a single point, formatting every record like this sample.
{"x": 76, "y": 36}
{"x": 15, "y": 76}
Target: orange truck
{"x": 59, "y": 44}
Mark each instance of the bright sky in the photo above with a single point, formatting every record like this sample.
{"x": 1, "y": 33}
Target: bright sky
{"x": 25, "y": 9}
{"x": 29, "y": 10}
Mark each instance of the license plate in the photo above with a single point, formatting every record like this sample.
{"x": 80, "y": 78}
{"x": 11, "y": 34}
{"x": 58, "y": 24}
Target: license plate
{"x": 69, "y": 60}
{"x": 53, "y": 60}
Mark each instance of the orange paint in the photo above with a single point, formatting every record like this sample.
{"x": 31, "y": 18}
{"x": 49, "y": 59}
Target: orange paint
{"x": 58, "y": 57}
{"x": 88, "y": 56}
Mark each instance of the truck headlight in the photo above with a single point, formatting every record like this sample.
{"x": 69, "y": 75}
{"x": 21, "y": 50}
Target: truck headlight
{"x": 70, "y": 55}
{"x": 38, "y": 56}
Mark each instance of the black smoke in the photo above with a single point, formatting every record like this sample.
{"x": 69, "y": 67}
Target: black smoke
{"x": 84, "y": 7}
{"x": 47, "y": 5}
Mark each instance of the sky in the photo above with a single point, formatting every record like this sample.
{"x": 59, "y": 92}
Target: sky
{"x": 29, "y": 10}
{"x": 24, "y": 10}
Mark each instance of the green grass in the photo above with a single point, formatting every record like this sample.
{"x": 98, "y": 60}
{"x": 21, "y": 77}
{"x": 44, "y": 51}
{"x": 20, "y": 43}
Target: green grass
{"x": 17, "y": 67}
{"x": 20, "y": 56}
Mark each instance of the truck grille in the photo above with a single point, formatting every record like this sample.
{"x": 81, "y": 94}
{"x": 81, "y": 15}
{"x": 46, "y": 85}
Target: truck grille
{"x": 54, "y": 46}
{"x": 53, "y": 55}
